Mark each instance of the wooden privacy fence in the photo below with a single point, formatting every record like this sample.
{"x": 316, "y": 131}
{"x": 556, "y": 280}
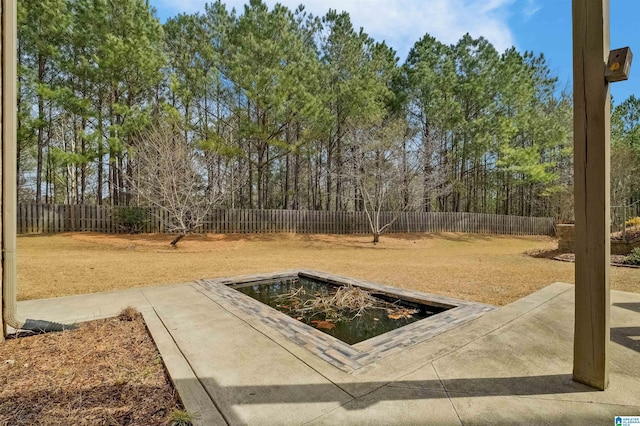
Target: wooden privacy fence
{"x": 43, "y": 218}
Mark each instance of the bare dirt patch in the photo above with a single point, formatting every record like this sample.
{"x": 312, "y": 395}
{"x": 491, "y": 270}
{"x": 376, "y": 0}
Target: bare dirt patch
{"x": 106, "y": 372}
{"x": 161, "y": 242}
{"x": 483, "y": 268}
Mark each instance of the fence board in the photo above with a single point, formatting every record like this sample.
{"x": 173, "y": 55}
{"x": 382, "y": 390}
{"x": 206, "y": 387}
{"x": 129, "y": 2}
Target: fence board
{"x": 34, "y": 218}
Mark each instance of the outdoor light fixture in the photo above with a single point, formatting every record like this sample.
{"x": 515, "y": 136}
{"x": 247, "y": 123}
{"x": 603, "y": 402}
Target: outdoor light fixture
{"x": 618, "y": 65}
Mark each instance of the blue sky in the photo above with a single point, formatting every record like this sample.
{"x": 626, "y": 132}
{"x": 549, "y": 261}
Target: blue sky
{"x": 543, "y": 26}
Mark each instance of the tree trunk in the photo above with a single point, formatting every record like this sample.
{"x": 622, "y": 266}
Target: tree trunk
{"x": 41, "y": 124}
{"x": 317, "y": 193}
{"x": 83, "y": 167}
{"x": 260, "y": 178}
{"x": 250, "y": 177}
{"x": 100, "y": 154}
{"x": 120, "y": 178}
{"x": 287, "y": 173}
{"x": 296, "y": 182}
{"x": 338, "y": 204}
{"x": 178, "y": 237}
{"x": 328, "y": 168}
{"x": 267, "y": 186}
{"x": 40, "y": 148}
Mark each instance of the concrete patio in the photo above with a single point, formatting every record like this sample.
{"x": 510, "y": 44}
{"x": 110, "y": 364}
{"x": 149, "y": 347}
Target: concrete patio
{"x": 511, "y": 365}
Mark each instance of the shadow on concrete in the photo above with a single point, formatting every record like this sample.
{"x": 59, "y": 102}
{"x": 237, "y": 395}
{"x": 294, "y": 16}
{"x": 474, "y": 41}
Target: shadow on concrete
{"x": 626, "y": 336}
{"x": 228, "y": 396}
{"x": 635, "y": 307}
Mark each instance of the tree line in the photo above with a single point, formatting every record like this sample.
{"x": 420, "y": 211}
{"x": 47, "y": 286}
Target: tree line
{"x": 281, "y": 109}
{"x": 625, "y": 153}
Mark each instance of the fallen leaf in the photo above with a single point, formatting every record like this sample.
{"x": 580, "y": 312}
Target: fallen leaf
{"x": 326, "y": 325}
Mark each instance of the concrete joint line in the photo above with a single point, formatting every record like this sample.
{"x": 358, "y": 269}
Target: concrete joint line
{"x": 194, "y": 395}
{"x": 547, "y": 398}
{"x": 502, "y": 325}
{"x": 623, "y": 368}
{"x": 447, "y": 393}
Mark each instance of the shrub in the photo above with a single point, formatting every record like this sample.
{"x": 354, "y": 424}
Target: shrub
{"x": 634, "y": 221}
{"x": 131, "y": 219}
{"x": 633, "y": 258}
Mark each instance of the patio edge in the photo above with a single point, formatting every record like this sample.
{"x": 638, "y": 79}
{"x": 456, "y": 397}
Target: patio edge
{"x": 195, "y": 398}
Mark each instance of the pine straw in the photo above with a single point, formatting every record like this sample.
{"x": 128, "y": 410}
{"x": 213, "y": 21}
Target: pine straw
{"x": 106, "y": 372}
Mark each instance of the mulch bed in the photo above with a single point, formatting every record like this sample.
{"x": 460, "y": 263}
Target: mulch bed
{"x": 106, "y": 372}
{"x": 616, "y": 260}
{"x": 632, "y": 235}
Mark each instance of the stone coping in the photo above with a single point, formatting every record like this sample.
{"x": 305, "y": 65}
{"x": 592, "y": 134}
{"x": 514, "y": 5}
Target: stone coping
{"x": 348, "y": 358}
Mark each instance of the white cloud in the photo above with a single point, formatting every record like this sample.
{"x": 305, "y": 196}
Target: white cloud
{"x": 531, "y": 8}
{"x": 402, "y": 22}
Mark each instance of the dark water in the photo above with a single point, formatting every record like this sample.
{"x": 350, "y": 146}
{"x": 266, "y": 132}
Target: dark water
{"x": 372, "y": 323}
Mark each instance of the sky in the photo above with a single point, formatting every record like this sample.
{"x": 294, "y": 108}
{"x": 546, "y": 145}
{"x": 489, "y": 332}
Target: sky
{"x": 541, "y": 26}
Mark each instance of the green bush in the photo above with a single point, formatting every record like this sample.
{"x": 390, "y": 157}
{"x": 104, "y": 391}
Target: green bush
{"x": 131, "y": 219}
{"x": 633, "y": 258}
{"x": 634, "y": 221}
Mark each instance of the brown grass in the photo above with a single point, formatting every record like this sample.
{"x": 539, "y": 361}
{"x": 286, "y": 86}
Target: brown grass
{"x": 489, "y": 269}
{"x": 106, "y": 372}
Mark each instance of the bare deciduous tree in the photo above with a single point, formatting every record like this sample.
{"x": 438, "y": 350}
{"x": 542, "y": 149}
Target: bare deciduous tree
{"x": 625, "y": 169}
{"x": 379, "y": 174}
{"x": 168, "y": 175}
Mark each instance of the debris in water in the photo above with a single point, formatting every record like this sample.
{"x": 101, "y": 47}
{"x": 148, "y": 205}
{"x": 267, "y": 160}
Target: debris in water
{"x": 343, "y": 304}
{"x": 326, "y": 325}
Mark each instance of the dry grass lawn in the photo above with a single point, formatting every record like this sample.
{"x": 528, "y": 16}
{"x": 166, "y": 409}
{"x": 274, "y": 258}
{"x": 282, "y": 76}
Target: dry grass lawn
{"x": 489, "y": 269}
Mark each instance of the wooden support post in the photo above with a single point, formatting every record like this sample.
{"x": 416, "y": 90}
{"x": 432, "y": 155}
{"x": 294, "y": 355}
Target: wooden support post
{"x": 2, "y": 326}
{"x": 591, "y": 189}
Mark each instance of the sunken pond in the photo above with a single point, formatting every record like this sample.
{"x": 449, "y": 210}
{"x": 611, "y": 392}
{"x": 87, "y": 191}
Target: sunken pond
{"x": 347, "y": 312}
